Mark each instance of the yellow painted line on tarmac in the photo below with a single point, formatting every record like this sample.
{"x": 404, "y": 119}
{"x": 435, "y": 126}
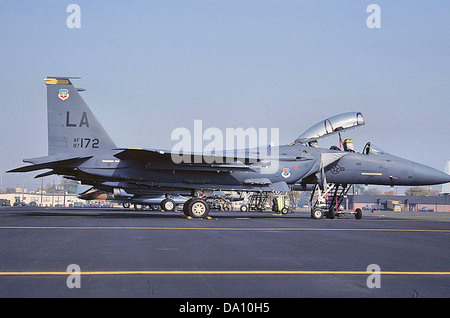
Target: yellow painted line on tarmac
{"x": 219, "y": 272}
{"x": 211, "y": 228}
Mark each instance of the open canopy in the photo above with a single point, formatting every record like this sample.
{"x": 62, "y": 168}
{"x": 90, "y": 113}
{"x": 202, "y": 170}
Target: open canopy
{"x": 332, "y": 125}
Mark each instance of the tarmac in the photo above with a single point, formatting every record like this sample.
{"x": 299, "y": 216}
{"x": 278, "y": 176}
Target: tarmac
{"x": 105, "y": 253}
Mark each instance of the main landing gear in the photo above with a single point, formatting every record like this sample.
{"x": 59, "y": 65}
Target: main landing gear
{"x": 196, "y": 208}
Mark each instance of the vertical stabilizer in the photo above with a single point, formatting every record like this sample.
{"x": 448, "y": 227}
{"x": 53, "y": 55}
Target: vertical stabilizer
{"x": 72, "y": 127}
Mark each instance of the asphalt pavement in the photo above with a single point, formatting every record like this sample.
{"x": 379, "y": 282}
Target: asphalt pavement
{"x": 253, "y": 255}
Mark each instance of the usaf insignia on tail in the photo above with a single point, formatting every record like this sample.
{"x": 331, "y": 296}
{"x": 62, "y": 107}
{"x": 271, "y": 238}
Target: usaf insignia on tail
{"x": 63, "y": 94}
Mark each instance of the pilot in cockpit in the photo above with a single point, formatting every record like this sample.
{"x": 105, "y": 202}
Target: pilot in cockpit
{"x": 349, "y": 146}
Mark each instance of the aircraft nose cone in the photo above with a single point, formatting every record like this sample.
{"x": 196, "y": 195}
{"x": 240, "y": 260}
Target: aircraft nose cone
{"x": 424, "y": 175}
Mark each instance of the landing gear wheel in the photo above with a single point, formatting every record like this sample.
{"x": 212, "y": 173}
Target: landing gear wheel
{"x": 197, "y": 208}
{"x": 331, "y": 213}
{"x": 358, "y": 214}
{"x": 244, "y": 208}
{"x": 317, "y": 213}
{"x": 185, "y": 207}
{"x": 168, "y": 205}
{"x": 126, "y": 205}
{"x": 138, "y": 207}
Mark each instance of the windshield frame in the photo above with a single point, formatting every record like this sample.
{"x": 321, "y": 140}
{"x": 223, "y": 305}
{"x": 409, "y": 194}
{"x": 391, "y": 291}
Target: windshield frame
{"x": 371, "y": 149}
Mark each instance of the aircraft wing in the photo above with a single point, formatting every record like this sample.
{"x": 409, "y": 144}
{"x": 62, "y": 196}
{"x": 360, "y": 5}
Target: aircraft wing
{"x": 192, "y": 161}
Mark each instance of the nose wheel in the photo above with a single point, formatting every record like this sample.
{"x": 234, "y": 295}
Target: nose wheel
{"x": 328, "y": 202}
{"x": 317, "y": 213}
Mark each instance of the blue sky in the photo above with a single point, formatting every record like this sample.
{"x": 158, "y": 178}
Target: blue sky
{"x": 152, "y": 66}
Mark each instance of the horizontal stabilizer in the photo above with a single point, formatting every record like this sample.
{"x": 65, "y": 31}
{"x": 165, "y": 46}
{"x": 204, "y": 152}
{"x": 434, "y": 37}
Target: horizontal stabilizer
{"x": 50, "y": 164}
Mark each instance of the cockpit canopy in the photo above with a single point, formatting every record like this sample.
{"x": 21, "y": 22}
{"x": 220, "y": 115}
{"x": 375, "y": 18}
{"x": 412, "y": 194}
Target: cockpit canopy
{"x": 371, "y": 149}
{"x": 332, "y": 125}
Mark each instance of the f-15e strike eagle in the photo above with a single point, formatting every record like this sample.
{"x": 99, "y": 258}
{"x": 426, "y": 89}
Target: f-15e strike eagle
{"x": 80, "y": 149}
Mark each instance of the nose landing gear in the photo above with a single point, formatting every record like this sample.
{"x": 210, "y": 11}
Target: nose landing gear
{"x": 328, "y": 203}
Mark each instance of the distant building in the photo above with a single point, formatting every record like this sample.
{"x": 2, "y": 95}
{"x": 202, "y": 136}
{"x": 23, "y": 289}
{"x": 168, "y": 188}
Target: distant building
{"x": 42, "y": 199}
{"x": 401, "y": 202}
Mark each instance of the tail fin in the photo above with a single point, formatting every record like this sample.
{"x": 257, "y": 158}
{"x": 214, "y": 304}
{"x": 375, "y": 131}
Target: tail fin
{"x": 72, "y": 127}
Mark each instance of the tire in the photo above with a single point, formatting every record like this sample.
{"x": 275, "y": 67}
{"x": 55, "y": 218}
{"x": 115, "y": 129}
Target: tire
{"x": 358, "y": 214}
{"x": 243, "y": 208}
{"x": 198, "y": 208}
{"x": 168, "y": 205}
{"x": 284, "y": 210}
{"x": 185, "y": 207}
{"x": 138, "y": 207}
{"x": 126, "y": 205}
{"x": 331, "y": 213}
{"x": 317, "y": 214}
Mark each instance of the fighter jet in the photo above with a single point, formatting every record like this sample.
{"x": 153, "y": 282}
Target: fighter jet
{"x": 80, "y": 149}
